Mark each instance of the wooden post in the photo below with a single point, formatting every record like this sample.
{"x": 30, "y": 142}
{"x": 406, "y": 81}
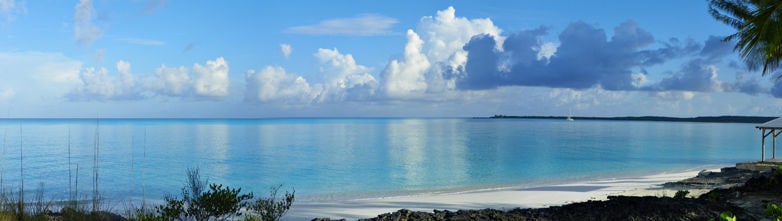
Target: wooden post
{"x": 763, "y": 144}
{"x": 774, "y": 144}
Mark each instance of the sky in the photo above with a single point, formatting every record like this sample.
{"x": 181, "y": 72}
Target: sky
{"x": 266, "y": 59}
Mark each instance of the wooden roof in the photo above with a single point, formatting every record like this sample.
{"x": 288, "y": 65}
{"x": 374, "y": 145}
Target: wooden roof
{"x": 772, "y": 124}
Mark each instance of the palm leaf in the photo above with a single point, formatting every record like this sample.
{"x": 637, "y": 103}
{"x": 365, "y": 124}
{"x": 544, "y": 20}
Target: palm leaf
{"x": 759, "y": 30}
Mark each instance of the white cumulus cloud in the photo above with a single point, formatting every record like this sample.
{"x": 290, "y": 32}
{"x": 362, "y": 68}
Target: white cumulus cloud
{"x": 95, "y": 85}
{"x": 405, "y": 78}
{"x": 126, "y": 80}
{"x": 344, "y": 78}
{"x": 123, "y": 67}
{"x": 207, "y": 81}
{"x": 98, "y": 84}
{"x": 445, "y": 34}
{"x": 274, "y": 84}
{"x": 172, "y": 81}
{"x": 211, "y": 80}
{"x": 433, "y": 57}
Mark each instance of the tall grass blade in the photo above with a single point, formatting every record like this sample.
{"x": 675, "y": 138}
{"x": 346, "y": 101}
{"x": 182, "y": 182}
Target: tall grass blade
{"x": 20, "y": 203}
{"x": 70, "y": 176}
{"x": 143, "y": 166}
{"x": 2, "y": 161}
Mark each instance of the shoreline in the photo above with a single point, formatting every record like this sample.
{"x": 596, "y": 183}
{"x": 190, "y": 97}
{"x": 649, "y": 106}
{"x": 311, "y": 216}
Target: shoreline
{"x": 497, "y": 198}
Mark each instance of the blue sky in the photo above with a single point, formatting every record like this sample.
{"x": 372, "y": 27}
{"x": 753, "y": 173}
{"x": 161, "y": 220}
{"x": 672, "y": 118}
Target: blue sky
{"x": 157, "y": 58}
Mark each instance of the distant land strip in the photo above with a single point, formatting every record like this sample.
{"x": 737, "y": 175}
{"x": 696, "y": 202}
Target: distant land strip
{"x": 707, "y": 119}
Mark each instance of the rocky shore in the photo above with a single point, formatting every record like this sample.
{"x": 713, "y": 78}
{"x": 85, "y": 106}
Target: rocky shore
{"x": 744, "y": 193}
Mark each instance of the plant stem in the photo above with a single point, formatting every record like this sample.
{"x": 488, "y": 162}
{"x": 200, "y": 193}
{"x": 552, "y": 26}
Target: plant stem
{"x": 2, "y": 158}
{"x": 21, "y": 164}
{"x": 143, "y": 166}
{"x": 20, "y": 204}
{"x": 96, "y": 152}
{"x": 70, "y": 179}
{"x": 132, "y": 144}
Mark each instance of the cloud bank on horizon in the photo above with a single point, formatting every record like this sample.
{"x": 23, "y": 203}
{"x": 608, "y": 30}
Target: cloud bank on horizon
{"x": 445, "y": 58}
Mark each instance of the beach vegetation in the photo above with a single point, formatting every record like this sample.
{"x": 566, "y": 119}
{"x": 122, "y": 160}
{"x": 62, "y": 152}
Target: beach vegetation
{"x": 218, "y": 202}
{"x": 727, "y": 216}
{"x": 758, "y": 26}
{"x": 12, "y": 208}
{"x": 272, "y": 207}
{"x": 199, "y": 203}
{"x": 713, "y": 197}
{"x": 774, "y": 211}
{"x": 200, "y": 199}
{"x": 681, "y": 194}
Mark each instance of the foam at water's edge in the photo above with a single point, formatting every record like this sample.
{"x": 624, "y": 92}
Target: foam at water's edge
{"x": 653, "y": 178}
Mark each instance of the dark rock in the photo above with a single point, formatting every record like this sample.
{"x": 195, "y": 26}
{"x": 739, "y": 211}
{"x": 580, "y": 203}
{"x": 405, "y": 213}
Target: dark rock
{"x": 704, "y": 173}
{"x": 753, "y": 196}
{"x": 68, "y": 213}
{"x": 742, "y": 192}
{"x": 726, "y": 178}
{"x": 106, "y": 216}
{"x": 616, "y": 208}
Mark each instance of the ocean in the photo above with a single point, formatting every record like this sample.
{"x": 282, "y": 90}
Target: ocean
{"x": 327, "y": 159}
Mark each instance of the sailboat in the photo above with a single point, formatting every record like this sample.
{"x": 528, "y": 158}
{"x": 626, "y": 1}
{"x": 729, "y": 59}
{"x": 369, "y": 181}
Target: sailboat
{"x": 569, "y": 116}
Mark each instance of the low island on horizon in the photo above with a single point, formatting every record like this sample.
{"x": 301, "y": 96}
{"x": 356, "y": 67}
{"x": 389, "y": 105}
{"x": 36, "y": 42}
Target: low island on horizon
{"x": 701, "y": 119}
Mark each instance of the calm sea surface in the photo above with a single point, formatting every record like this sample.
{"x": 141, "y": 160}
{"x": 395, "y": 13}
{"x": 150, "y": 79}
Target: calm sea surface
{"x": 354, "y": 158}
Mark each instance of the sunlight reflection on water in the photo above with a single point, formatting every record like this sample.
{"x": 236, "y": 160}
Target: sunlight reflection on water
{"x": 348, "y": 158}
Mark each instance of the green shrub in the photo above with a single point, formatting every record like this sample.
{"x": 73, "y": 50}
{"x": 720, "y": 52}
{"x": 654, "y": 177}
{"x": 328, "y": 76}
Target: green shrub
{"x": 727, "y": 216}
{"x": 219, "y": 203}
{"x": 143, "y": 214}
{"x": 173, "y": 209}
{"x": 774, "y": 211}
{"x": 681, "y": 194}
{"x": 272, "y": 208}
{"x": 713, "y": 197}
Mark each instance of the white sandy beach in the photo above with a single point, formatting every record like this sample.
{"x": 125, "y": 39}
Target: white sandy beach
{"x": 503, "y": 198}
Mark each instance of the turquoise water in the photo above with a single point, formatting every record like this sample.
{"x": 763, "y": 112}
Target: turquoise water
{"x": 355, "y": 158}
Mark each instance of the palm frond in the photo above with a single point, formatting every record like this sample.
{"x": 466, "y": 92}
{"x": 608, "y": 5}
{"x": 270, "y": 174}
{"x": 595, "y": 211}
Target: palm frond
{"x": 759, "y": 30}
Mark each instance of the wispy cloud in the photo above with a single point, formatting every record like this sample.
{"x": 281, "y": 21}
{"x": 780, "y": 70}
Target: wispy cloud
{"x": 10, "y": 8}
{"x": 360, "y": 25}
{"x": 7, "y": 5}
{"x": 153, "y": 5}
{"x": 84, "y": 30}
{"x": 140, "y": 41}
{"x": 189, "y": 46}
{"x": 7, "y": 94}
